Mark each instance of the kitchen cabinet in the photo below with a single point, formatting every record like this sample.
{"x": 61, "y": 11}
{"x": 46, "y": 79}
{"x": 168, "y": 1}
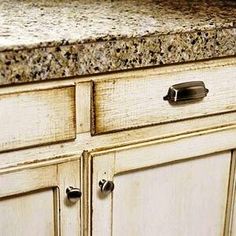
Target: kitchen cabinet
{"x": 132, "y": 105}
{"x": 162, "y": 189}
{"x": 144, "y": 166}
{"x": 41, "y": 199}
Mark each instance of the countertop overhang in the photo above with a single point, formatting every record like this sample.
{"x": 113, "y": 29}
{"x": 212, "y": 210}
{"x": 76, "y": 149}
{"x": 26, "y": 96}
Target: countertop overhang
{"x": 43, "y": 40}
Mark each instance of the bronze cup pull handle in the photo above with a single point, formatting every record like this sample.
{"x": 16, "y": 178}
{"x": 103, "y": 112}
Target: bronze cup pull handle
{"x": 188, "y": 91}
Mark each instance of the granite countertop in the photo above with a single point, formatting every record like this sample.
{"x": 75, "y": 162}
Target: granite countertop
{"x": 43, "y": 40}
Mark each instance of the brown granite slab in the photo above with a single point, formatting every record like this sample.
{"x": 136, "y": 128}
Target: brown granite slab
{"x": 43, "y": 40}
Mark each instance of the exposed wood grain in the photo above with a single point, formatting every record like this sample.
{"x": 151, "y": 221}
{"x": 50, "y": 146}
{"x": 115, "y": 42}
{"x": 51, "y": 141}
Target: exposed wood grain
{"x": 37, "y": 117}
{"x": 138, "y": 101}
{"x": 83, "y": 106}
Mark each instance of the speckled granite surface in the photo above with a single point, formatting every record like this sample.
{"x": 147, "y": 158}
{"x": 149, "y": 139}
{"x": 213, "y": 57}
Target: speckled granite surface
{"x": 43, "y": 40}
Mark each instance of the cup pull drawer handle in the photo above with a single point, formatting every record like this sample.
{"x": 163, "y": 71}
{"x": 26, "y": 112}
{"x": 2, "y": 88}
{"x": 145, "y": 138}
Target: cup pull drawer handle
{"x": 189, "y": 91}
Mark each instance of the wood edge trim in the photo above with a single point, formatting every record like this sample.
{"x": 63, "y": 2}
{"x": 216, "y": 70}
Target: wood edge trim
{"x": 231, "y": 196}
{"x": 30, "y": 90}
{"x": 41, "y": 163}
{"x": 93, "y": 109}
{"x": 164, "y": 139}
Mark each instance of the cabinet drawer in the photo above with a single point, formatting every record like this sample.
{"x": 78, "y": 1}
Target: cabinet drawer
{"x": 37, "y": 117}
{"x": 137, "y": 100}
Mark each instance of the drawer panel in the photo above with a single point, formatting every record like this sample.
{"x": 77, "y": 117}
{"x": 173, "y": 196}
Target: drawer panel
{"x": 137, "y": 100}
{"x": 37, "y": 117}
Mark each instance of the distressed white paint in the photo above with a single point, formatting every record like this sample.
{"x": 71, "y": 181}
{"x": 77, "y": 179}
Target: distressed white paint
{"x": 138, "y": 101}
{"x": 28, "y": 214}
{"x": 186, "y": 198}
{"x": 36, "y": 117}
{"x": 33, "y": 199}
{"x": 41, "y": 174}
{"x": 83, "y": 106}
{"x": 85, "y": 141}
{"x": 173, "y": 149}
{"x": 101, "y": 204}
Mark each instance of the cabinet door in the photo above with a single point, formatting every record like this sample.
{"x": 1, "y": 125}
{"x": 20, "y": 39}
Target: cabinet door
{"x": 156, "y": 195}
{"x": 232, "y": 216}
{"x": 33, "y": 201}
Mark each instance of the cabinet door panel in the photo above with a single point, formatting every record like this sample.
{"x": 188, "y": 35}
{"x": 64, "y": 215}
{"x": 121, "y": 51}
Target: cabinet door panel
{"x": 178, "y": 198}
{"x": 186, "y": 198}
{"x": 29, "y": 214}
{"x": 33, "y": 201}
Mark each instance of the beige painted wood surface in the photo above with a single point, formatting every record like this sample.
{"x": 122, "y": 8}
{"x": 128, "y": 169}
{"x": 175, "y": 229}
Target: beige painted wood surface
{"x": 102, "y": 215}
{"x": 187, "y": 198}
{"x": 182, "y": 196}
{"x": 69, "y": 175}
{"x": 230, "y": 199}
{"x": 144, "y": 155}
{"x": 33, "y": 199}
{"x": 28, "y": 214}
{"x": 176, "y": 145}
{"x": 233, "y": 212}
{"x": 83, "y": 106}
{"x": 37, "y": 117}
{"x": 138, "y": 101}
{"x": 223, "y": 123}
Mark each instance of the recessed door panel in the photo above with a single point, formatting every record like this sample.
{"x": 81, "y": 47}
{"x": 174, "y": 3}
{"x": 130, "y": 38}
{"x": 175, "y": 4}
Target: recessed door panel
{"x": 29, "y": 214}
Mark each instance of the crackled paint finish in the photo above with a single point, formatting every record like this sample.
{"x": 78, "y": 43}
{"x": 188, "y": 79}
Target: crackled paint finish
{"x": 55, "y": 39}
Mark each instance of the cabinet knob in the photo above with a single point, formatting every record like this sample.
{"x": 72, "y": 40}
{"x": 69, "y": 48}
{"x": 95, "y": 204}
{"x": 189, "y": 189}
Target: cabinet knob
{"x": 73, "y": 194}
{"x": 106, "y": 186}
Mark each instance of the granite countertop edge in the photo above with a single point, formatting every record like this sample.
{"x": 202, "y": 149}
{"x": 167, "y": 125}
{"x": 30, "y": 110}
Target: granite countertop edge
{"x": 64, "y": 60}
{"x": 96, "y": 53}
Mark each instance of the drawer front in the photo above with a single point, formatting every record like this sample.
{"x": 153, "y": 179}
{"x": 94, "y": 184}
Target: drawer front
{"x": 37, "y": 117}
{"x": 137, "y": 100}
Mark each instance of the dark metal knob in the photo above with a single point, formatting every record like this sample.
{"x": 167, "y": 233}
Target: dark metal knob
{"x": 73, "y": 194}
{"x": 106, "y": 186}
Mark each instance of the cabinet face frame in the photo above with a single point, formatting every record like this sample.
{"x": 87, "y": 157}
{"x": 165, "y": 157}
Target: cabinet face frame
{"x": 108, "y": 164}
{"x": 55, "y": 176}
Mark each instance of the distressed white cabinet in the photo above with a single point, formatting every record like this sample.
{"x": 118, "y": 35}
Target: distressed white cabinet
{"x": 33, "y": 200}
{"x": 172, "y": 167}
{"x": 166, "y": 189}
